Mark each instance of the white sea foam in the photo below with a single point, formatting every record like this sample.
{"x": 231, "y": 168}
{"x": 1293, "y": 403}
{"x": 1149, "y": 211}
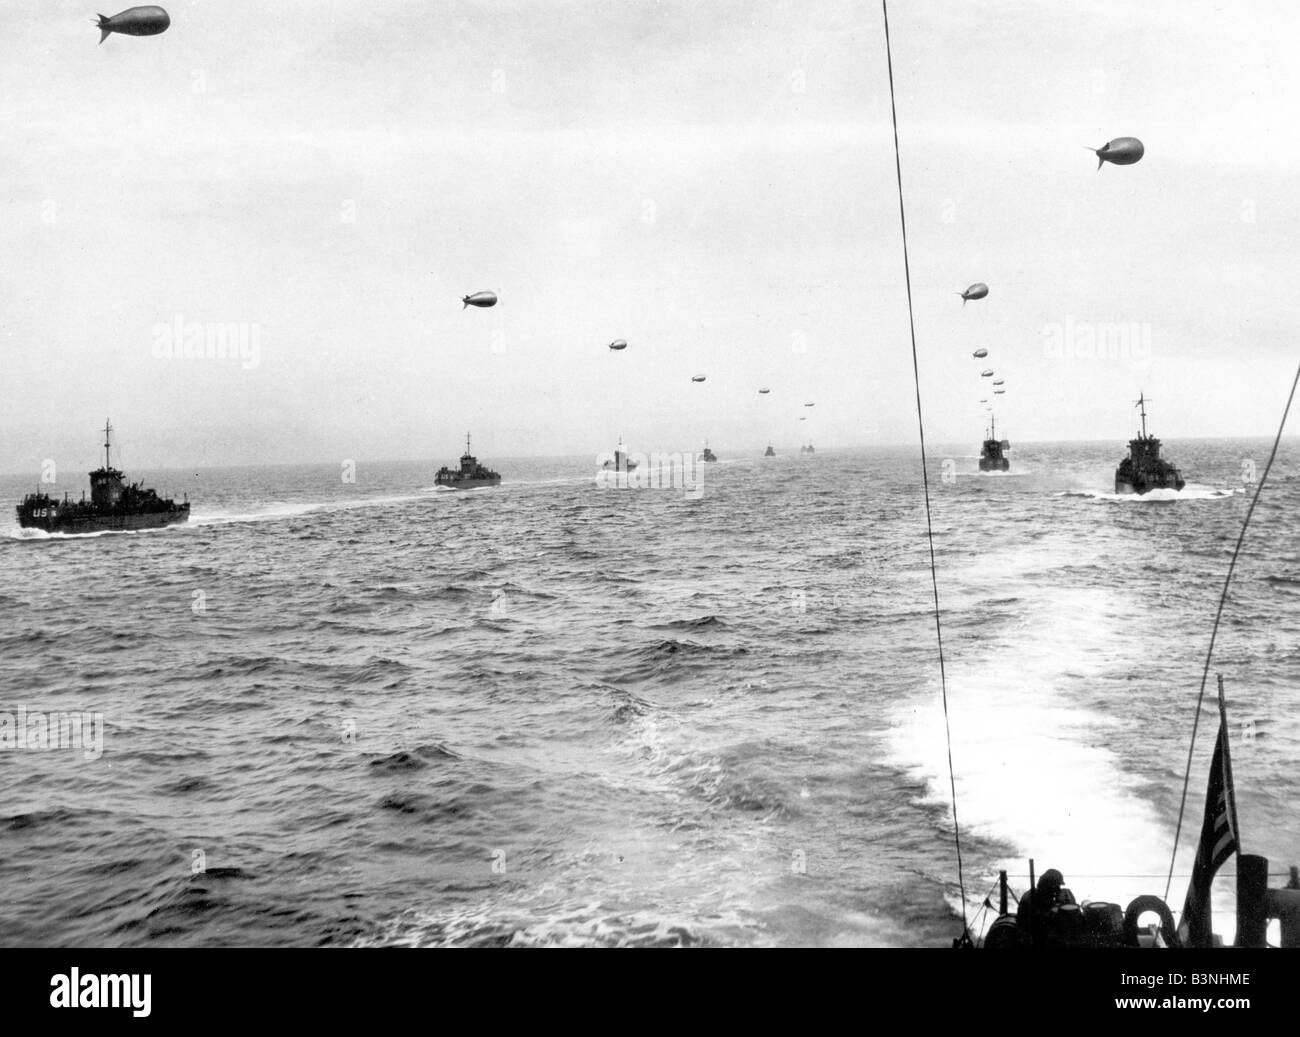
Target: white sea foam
{"x": 1033, "y": 769}
{"x": 279, "y": 511}
{"x": 1190, "y": 492}
{"x": 19, "y": 533}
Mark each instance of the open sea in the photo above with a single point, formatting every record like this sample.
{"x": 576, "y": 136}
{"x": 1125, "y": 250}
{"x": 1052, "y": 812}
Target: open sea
{"x": 381, "y": 713}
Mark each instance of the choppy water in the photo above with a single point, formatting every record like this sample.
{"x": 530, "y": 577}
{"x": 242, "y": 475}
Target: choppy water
{"x": 554, "y": 714}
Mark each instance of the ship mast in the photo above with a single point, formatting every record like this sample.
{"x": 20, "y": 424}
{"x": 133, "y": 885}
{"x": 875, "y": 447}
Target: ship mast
{"x": 1141, "y": 402}
{"x": 466, "y": 442}
{"x": 107, "y": 429}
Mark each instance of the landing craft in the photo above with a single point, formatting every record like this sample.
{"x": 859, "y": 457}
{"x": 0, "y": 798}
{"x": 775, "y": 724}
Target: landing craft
{"x": 980, "y": 354}
{"x": 698, "y": 378}
{"x": 975, "y": 291}
{"x": 1122, "y": 151}
{"x": 618, "y": 344}
{"x": 135, "y": 21}
{"x": 480, "y": 299}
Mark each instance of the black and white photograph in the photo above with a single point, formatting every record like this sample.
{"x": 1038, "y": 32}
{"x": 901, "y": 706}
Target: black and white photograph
{"x": 657, "y": 474}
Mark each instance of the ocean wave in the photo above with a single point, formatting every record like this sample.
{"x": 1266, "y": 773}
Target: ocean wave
{"x": 416, "y": 759}
{"x": 571, "y": 925}
{"x": 650, "y": 729}
{"x": 698, "y": 623}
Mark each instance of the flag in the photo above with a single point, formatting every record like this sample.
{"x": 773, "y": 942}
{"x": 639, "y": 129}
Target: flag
{"x": 1219, "y": 841}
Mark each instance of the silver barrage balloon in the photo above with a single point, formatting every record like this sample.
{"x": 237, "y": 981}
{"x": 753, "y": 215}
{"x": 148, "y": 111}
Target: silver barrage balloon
{"x": 764, "y": 392}
{"x": 618, "y": 343}
{"x": 980, "y": 354}
{"x": 987, "y": 374}
{"x": 480, "y": 299}
{"x": 697, "y": 378}
{"x": 975, "y": 291}
{"x": 135, "y": 21}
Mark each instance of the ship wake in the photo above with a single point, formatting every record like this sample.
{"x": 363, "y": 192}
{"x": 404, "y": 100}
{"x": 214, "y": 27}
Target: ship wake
{"x": 1036, "y": 772}
{"x": 1190, "y": 492}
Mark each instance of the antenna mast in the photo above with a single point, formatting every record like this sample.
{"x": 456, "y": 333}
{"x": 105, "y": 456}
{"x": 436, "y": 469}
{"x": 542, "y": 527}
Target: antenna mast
{"x": 107, "y": 429}
{"x": 1142, "y": 404}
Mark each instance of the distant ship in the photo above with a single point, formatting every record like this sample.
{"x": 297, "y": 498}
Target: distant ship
{"x": 769, "y": 452}
{"x": 1144, "y": 469}
{"x": 807, "y": 449}
{"x": 470, "y": 475}
{"x": 991, "y": 459}
{"x": 113, "y": 505}
{"x": 708, "y": 454}
{"x": 621, "y": 462}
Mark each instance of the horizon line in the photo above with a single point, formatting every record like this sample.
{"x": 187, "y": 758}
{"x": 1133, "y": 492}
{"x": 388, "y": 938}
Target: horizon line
{"x": 8, "y": 473}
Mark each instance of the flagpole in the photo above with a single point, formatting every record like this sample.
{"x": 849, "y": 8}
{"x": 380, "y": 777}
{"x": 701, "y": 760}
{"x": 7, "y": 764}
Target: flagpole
{"x": 1227, "y": 769}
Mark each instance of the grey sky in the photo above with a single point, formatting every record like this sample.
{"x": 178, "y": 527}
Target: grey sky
{"x": 711, "y": 181}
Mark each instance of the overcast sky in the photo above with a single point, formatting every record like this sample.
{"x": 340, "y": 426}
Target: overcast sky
{"x": 713, "y": 182}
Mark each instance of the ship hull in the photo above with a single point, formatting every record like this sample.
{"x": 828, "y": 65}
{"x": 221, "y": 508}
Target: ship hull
{"x": 1001, "y": 464}
{"x": 468, "y": 484}
{"x": 1144, "y": 469}
{"x": 1141, "y": 486}
{"x": 105, "y": 523}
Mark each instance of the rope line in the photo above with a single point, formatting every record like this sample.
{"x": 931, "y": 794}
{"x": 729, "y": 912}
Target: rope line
{"x": 1214, "y": 632}
{"x": 925, "y": 478}
{"x": 985, "y": 908}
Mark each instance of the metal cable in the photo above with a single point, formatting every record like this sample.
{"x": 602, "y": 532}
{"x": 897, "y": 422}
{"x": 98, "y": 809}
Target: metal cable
{"x": 1214, "y": 632}
{"x": 925, "y": 478}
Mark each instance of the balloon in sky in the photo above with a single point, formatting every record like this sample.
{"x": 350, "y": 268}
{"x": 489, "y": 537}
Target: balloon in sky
{"x": 810, "y": 404}
{"x": 1122, "y": 151}
{"x": 998, "y": 381}
{"x": 764, "y": 392}
{"x": 975, "y": 291}
{"x": 480, "y": 299}
{"x": 999, "y": 392}
{"x": 980, "y": 354}
{"x": 135, "y": 21}
{"x": 697, "y": 378}
{"x": 618, "y": 343}
{"x": 987, "y": 374}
